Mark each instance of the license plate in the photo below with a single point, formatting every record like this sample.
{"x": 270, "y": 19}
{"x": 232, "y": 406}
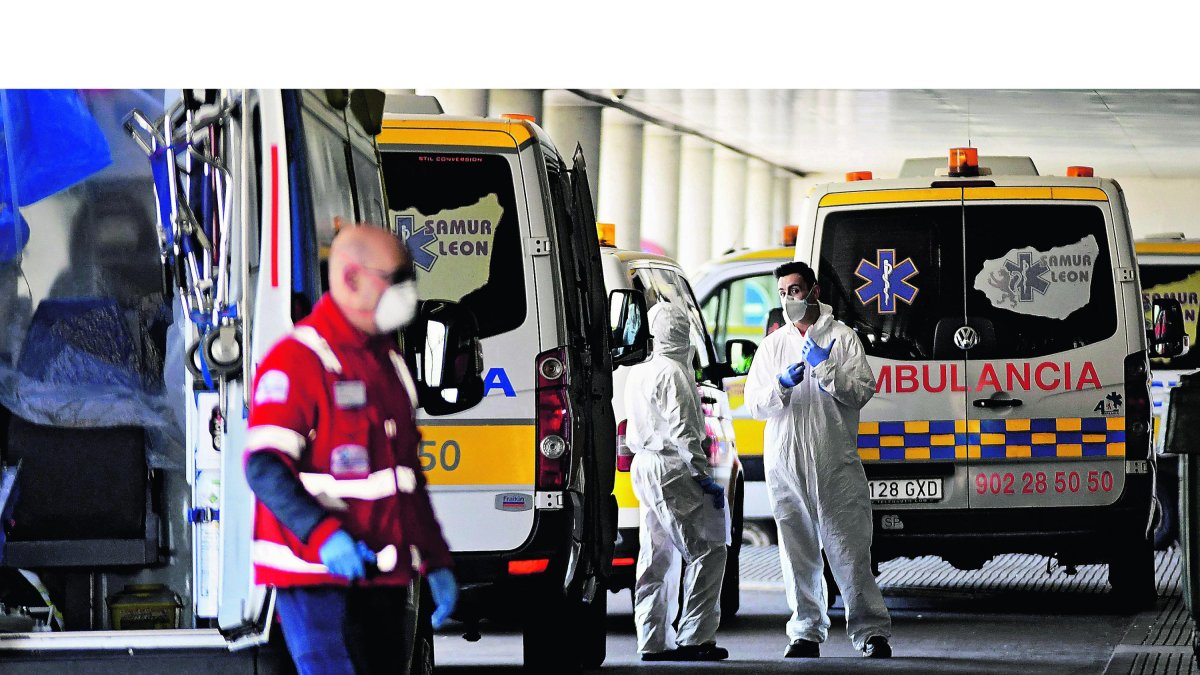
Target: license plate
{"x": 905, "y": 490}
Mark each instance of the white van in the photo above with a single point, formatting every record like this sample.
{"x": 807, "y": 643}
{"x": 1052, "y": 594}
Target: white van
{"x": 661, "y": 279}
{"x": 522, "y": 482}
{"x": 1001, "y": 313}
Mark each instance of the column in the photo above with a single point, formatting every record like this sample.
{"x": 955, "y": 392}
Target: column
{"x": 520, "y": 101}
{"x": 571, "y": 123}
{"x": 465, "y": 102}
{"x": 660, "y": 190}
{"x": 759, "y": 202}
{"x": 620, "y": 177}
{"x": 780, "y": 205}
{"x": 695, "y": 203}
{"x": 729, "y": 200}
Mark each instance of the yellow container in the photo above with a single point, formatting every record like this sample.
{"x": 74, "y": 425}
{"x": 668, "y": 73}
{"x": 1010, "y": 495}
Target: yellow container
{"x": 145, "y": 607}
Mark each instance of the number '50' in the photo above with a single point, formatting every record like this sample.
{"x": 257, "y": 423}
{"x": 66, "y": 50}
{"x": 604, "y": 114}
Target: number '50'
{"x": 447, "y": 459}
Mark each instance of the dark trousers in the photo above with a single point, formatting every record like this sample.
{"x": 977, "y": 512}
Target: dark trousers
{"x": 344, "y": 631}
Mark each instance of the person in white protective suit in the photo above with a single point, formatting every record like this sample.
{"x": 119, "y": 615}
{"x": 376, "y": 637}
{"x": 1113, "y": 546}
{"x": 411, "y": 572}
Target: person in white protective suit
{"x": 809, "y": 379}
{"x": 680, "y": 501}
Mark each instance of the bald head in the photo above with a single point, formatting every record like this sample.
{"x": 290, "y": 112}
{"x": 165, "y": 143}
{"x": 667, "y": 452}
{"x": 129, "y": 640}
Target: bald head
{"x": 362, "y": 260}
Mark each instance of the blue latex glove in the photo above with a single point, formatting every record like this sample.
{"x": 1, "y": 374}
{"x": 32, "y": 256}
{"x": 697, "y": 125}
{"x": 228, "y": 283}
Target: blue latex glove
{"x": 712, "y": 487}
{"x": 445, "y": 594}
{"x": 792, "y": 375}
{"x": 813, "y": 353}
{"x": 342, "y": 556}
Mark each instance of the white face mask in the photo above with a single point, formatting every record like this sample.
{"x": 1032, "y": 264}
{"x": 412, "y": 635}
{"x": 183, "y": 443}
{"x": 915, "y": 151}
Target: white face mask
{"x": 397, "y": 306}
{"x": 795, "y": 310}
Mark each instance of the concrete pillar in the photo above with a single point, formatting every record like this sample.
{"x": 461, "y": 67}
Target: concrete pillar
{"x": 660, "y": 189}
{"x": 760, "y": 194}
{"x": 695, "y": 203}
{"x": 465, "y": 102}
{"x": 621, "y": 176}
{"x": 780, "y": 205}
{"x": 521, "y": 101}
{"x": 729, "y": 200}
{"x": 569, "y": 124}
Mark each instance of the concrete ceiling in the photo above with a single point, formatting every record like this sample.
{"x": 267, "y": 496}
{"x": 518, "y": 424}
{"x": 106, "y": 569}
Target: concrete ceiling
{"x": 1121, "y": 133}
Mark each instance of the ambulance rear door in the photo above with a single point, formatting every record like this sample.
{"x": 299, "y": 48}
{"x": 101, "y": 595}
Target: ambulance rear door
{"x": 890, "y": 264}
{"x": 1045, "y": 349}
{"x": 455, "y": 193}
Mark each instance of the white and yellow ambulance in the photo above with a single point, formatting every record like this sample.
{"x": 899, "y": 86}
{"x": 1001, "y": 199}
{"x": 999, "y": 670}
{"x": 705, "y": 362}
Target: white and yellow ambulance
{"x": 1001, "y": 312}
{"x": 1169, "y": 267}
{"x": 522, "y": 482}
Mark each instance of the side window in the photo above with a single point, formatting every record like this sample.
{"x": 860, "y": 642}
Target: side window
{"x": 739, "y": 309}
{"x": 1181, "y": 282}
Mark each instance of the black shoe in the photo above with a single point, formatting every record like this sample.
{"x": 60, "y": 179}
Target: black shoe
{"x": 803, "y": 649}
{"x": 877, "y": 647}
{"x": 708, "y": 651}
{"x": 666, "y": 655}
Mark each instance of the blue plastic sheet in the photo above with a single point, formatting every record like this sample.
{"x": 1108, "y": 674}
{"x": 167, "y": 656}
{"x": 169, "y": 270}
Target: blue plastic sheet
{"x": 49, "y": 141}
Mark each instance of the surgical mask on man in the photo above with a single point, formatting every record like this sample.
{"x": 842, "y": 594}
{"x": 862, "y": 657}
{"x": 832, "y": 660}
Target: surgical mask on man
{"x": 795, "y": 310}
{"x": 397, "y": 306}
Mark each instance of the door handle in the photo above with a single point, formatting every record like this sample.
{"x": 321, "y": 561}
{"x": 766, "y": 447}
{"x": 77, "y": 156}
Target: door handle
{"x": 998, "y": 403}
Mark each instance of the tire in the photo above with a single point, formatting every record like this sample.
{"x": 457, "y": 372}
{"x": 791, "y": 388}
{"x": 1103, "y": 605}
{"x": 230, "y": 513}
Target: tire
{"x": 731, "y": 587}
{"x": 564, "y": 635}
{"x": 831, "y": 586}
{"x": 1166, "y": 489}
{"x": 422, "y": 642}
{"x": 1131, "y": 575}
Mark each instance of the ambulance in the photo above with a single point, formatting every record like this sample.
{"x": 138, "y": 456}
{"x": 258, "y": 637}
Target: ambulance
{"x": 128, "y": 549}
{"x": 661, "y": 279}
{"x": 1001, "y": 313}
{"x": 1169, "y": 267}
{"x": 522, "y": 483}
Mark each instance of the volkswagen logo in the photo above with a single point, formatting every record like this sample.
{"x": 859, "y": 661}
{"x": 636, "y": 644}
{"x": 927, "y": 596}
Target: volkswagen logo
{"x": 965, "y": 338}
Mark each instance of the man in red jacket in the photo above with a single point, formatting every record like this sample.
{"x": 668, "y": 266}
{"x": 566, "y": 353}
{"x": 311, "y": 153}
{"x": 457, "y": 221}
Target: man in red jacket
{"x": 343, "y": 518}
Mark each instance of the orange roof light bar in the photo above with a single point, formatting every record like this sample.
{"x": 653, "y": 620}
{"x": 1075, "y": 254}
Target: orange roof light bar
{"x": 964, "y": 161}
{"x": 790, "y": 232}
{"x": 607, "y": 234}
{"x": 859, "y": 175}
{"x": 519, "y": 116}
{"x": 1080, "y": 172}
{"x": 519, "y": 567}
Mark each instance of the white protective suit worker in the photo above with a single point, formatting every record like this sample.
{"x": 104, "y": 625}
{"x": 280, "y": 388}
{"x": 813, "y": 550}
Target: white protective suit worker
{"x": 680, "y": 501}
{"x": 808, "y": 380}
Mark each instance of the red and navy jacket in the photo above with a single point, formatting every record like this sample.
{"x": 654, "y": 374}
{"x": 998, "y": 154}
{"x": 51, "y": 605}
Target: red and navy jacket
{"x": 335, "y": 405}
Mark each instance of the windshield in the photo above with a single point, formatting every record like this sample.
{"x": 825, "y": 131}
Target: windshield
{"x": 1181, "y": 282}
{"x": 457, "y": 213}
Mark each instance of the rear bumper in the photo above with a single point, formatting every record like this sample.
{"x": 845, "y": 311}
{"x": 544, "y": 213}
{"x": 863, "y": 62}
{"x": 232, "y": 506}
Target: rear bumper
{"x": 1075, "y": 535}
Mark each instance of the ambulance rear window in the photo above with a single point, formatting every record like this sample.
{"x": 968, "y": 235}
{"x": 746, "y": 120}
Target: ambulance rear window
{"x": 457, "y": 213}
{"x": 1041, "y": 276}
{"x": 1182, "y": 283}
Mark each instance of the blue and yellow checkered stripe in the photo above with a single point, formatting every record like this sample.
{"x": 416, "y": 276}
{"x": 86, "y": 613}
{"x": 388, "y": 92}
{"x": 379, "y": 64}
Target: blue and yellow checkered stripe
{"x": 992, "y": 439}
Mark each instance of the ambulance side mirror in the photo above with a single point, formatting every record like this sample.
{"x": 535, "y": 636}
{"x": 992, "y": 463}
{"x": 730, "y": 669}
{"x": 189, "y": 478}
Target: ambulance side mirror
{"x": 739, "y": 354}
{"x": 1167, "y": 337}
{"x": 444, "y": 353}
{"x": 630, "y": 327}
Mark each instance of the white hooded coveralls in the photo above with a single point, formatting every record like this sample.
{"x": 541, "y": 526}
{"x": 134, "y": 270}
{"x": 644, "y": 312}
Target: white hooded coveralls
{"x": 815, "y": 479}
{"x": 665, "y": 431}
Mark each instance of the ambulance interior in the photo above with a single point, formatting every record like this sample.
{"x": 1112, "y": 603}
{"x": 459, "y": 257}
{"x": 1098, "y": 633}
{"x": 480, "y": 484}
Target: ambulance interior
{"x": 85, "y": 365}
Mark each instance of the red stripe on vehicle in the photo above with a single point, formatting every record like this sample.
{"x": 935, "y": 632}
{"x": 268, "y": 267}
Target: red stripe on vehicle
{"x": 274, "y": 216}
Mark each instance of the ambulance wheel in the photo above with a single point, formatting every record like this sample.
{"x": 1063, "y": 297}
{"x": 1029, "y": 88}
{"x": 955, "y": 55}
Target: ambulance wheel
{"x": 731, "y": 588}
{"x": 1131, "y": 575}
{"x": 422, "y": 645}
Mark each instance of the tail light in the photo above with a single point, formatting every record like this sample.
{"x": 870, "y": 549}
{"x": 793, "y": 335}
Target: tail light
{"x": 708, "y": 407}
{"x": 553, "y": 421}
{"x": 521, "y": 567}
{"x": 624, "y": 454}
{"x": 1137, "y": 406}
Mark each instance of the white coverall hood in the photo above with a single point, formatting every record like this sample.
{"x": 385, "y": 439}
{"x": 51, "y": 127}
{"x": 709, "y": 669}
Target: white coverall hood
{"x": 670, "y": 329}
{"x": 815, "y": 479}
{"x": 679, "y": 523}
